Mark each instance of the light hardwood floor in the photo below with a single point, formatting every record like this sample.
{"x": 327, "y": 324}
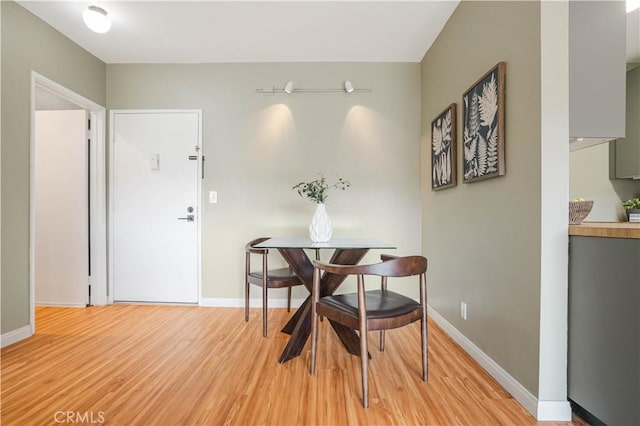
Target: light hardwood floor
{"x": 166, "y": 365}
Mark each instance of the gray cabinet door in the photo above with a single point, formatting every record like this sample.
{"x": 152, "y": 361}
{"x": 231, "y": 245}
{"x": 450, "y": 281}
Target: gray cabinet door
{"x": 604, "y": 328}
{"x": 597, "y": 66}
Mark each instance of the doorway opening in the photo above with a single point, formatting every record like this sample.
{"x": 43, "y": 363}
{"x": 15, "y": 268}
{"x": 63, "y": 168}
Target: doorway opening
{"x": 57, "y": 116}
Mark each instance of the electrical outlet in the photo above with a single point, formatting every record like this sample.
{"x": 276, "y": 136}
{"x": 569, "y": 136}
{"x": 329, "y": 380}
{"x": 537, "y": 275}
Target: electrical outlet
{"x": 463, "y": 310}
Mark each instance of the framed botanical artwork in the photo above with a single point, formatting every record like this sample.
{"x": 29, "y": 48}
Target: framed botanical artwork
{"x": 443, "y": 149}
{"x": 483, "y": 126}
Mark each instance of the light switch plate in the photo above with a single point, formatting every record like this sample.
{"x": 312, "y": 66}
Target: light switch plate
{"x": 213, "y": 197}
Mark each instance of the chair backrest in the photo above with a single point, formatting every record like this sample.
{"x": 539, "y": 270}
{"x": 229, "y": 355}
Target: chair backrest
{"x": 393, "y": 267}
{"x": 249, "y": 248}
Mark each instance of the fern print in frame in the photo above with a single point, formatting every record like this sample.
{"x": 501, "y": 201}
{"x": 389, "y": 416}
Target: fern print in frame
{"x": 443, "y": 149}
{"x": 483, "y": 126}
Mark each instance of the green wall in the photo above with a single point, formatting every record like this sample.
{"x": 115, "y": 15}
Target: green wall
{"x": 258, "y": 146}
{"x": 30, "y": 44}
{"x": 483, "y": 239}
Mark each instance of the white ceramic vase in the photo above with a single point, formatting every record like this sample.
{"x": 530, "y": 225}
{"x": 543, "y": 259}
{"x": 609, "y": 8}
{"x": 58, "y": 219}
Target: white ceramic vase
{"x": 320, "y": 229}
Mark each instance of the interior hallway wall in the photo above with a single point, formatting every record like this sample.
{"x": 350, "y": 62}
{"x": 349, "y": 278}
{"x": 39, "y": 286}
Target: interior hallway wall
{"x": 61, "y": 208}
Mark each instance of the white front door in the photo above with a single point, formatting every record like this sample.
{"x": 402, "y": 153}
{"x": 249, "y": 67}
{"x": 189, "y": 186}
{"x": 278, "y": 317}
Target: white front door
{"x": 155, "y": 206}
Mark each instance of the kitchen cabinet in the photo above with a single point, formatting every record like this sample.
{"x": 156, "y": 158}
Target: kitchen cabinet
{"x": 604, "y": 325}
{"x": 597, "y": 67}
{"x": 627, "y": 150}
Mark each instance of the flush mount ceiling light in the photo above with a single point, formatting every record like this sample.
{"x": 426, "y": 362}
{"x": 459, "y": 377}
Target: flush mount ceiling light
{"x": 96, "y": 19}
{"x": 348, "y": 86}
{"x": 288, "y": 88}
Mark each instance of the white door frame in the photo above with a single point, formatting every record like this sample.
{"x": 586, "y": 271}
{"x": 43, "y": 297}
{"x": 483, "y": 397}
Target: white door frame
{"x": 97, "y": 208}
{"x": 198, "y": 189}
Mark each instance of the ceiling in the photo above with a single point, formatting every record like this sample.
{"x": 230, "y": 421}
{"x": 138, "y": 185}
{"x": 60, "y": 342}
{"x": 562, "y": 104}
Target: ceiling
{"x": 253, "y": 31}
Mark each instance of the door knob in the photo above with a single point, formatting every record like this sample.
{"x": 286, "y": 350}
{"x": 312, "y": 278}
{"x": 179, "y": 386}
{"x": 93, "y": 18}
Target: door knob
{"x": 189, "y": 218}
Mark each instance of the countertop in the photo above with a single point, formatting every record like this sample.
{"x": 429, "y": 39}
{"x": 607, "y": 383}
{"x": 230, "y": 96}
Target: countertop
{"x": 606, "y": 230}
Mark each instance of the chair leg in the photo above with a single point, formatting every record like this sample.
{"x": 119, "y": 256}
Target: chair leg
{"x": 289, "y": 299}
{"x": 364, "y": 359}
{"x": 264, "y": 309}
{"x": 383, "y": 287}
{"x": 424, "y": 336}
{"x": 246, "y": 300}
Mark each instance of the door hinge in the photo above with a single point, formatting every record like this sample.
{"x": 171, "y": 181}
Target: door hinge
{"x": 89, "y": 291}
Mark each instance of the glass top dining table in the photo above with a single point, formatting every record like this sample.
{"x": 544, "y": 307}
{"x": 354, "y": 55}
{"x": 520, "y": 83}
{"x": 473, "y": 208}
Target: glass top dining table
{"x": 337, "y": 243}
{"x": 347, "y": 251}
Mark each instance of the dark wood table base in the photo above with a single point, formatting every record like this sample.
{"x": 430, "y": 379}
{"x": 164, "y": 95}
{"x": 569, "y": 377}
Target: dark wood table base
{"x": 299, "y": 326}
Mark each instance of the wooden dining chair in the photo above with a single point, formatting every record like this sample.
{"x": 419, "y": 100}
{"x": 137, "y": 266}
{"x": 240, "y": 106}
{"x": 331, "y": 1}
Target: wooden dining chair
{"x": 371, "y": 310}
{"x": 277, "y": 278}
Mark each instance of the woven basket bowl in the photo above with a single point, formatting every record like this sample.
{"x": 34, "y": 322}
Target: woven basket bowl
{"x": 578, "y": 210}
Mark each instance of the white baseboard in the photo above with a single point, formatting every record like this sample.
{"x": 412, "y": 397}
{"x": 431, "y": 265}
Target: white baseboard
{"x": 15, "y": 336}
{"x": 253, "y": 303}
{"x": 541, "y": 410}
{"x": 554, "y": 411}
{"x": 62, "y": 305}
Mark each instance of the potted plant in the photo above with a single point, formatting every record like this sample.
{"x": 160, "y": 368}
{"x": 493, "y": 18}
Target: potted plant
{"x": 320, "y": 229}
{"x": 632, "y": 207}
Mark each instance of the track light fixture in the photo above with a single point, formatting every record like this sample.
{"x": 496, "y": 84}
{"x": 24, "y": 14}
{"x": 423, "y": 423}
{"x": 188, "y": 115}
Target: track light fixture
{"x": 288, "y": 88}
{"x": 348, "y": 86}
